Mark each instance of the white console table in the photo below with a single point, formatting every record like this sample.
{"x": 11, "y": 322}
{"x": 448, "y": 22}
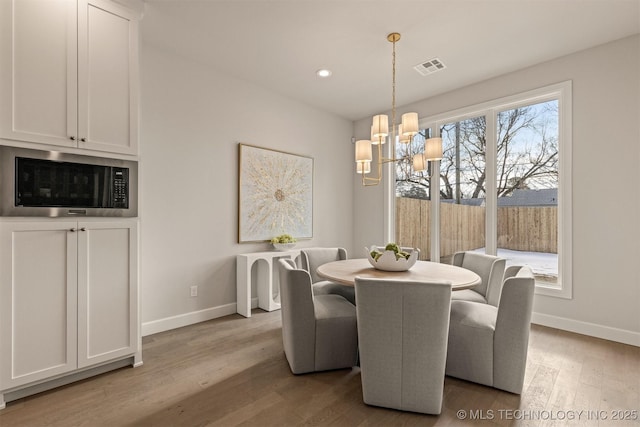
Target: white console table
{"x": 268, "y": 282}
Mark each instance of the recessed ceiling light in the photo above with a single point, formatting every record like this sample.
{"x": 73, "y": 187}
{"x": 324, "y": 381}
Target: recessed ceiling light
{"x": 323, "y": 73}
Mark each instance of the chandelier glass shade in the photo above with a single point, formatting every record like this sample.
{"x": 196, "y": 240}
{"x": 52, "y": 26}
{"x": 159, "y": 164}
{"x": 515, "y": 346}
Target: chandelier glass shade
{"x": 403, "y": 133}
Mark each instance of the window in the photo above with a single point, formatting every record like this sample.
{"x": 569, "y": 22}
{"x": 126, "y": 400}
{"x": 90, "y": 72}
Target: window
{"x": 527, "y": 188}
{"x": 412, "y": 201}
{"x": 504, "y": 186}
{"x": 462, "y": 186}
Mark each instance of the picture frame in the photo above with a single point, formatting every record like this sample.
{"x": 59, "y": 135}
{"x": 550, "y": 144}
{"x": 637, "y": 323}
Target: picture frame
{"x": 275, "y": 194}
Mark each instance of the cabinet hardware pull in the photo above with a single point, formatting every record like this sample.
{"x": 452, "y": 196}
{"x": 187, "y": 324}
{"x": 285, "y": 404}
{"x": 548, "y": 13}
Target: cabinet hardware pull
{"x": 77, "y": 212}
{"x": 83, "y": 229}
{"x": 83, "y": 139}
{"x": 73, "y": 138}
{"x": 73, "y": 230}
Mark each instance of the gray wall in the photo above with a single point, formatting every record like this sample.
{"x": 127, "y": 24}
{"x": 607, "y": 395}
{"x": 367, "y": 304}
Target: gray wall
{"x": 606, "y": 175}
{"x": 192, "y": 119}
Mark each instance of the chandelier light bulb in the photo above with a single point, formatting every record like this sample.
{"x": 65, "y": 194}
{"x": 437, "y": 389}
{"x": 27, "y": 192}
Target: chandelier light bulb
{"x": 433, "y": 149}
{"x": 419, "y": 163}
{"x": 403, "y": 138}
{"x": 410, "y": 124}
{"x": 363, "y": 151}
{"x": 363, "y": 167}
{"x": 380, "y": 126}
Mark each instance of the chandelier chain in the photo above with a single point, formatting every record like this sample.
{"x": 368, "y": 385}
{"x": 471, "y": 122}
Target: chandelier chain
{"x": 393, "y": 94}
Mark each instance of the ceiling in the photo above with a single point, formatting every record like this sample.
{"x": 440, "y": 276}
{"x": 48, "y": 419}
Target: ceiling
{"x": 280, "y": 45}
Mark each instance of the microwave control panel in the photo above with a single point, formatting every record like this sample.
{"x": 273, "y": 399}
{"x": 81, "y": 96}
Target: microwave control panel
{"x": 120, "y": 188}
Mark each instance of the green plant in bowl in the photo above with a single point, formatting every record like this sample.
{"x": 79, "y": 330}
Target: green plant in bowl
{"x": 399, "y": 253}
{"x": 283, "y": 238}
{"x": 392, "y": 257}
{"x": 283, "y": 242}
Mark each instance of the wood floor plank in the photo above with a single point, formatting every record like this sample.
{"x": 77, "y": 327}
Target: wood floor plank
{"x": 232, "y": 372}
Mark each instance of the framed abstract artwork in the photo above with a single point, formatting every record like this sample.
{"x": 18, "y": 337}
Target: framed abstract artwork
{"x": 275, "y": 194}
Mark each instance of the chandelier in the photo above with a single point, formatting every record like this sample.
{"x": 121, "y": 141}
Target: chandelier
{"x": 401, "y": 134}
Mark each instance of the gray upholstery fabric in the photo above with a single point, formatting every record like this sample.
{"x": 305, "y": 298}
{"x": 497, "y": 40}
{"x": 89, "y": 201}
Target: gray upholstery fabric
{"x": 470, "y": 352}
{"x": 488, "y": 344}
{"x": 402, "y": 333}
{"x": 468, "y": 295}
{"x": 318, "y": 333}
{"x": 336, "y": 333}
{"x": 327, "y": 287}
{"x": 289, "y": 261}
{"x": 312, "y": 258}
{"x": 490, "y": 269}
{"x": 511, "y": 339}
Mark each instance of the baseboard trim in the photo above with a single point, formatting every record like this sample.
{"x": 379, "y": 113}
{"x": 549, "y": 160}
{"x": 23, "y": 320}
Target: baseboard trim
{"x": 585, "y": 328}
{"x": 173, "y": 322}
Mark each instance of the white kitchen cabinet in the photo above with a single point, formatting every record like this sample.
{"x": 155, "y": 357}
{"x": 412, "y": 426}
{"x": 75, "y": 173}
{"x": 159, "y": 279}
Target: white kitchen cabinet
{"x": 68, "y": 298}
{"x": 70, "y": 74}
{"x": 38, "y": 300}
{"x": 107, "y": 291}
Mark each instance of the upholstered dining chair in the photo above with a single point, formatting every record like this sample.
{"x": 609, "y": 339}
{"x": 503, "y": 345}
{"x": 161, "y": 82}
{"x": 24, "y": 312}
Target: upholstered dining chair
{"x": 312, "y": 258}
{"x": 487, "y": 344}
{"x": 402, "y": 336}
{"x": 319, "y": 332}
{"x": 490, "y": 269}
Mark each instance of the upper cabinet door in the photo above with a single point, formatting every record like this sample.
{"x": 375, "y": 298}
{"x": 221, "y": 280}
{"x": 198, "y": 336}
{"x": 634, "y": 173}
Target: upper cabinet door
{"x": 38, "y": 63}
{"x": 107, "y": 77}
{"x": 69, "y": 74}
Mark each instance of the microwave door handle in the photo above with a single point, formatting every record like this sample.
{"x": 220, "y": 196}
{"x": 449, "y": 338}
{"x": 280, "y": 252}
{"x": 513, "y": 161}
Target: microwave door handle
{"x": 107, "y": 195}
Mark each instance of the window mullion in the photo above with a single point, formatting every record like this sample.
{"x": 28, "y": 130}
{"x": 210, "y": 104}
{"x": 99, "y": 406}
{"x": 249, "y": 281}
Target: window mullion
{"x": 435, "y": 212}
{"x": 491, "y": 208}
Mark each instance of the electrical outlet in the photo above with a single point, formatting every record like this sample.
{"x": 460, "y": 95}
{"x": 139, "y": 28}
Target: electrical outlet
{"x": 194, "y": 291}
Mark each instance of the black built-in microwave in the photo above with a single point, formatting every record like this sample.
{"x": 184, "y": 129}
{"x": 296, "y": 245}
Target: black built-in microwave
{"x": 50, "y": 183}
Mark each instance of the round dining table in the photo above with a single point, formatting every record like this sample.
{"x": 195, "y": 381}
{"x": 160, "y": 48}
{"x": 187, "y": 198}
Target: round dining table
{"x": 346, "y": 271}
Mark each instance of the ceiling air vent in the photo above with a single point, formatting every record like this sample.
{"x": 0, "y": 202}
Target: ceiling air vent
{"x": 430, "y": 66}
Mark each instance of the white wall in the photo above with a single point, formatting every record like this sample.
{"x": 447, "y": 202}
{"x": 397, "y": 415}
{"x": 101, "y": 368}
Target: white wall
{"x": 606, "y": 176}
{"x": 192, "y": 119}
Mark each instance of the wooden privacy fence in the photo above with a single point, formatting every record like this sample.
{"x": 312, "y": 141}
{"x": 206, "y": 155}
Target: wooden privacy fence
{"x": 528, "y": 228}
{"x": 462, "y": 227}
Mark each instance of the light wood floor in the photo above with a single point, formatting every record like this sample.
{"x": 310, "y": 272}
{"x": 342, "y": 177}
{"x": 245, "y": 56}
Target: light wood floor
{"x": 232, "y": 371}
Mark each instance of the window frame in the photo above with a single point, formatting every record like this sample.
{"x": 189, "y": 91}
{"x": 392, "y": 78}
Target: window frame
{"x": 562, "y": 92}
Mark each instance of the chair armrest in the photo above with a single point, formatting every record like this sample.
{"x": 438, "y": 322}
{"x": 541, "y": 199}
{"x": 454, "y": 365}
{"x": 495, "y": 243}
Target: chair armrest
{"x": 458, "y": 257}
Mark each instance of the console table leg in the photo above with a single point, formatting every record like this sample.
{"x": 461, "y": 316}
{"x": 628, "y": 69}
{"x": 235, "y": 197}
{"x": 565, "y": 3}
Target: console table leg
{"x": 243, "y": 287}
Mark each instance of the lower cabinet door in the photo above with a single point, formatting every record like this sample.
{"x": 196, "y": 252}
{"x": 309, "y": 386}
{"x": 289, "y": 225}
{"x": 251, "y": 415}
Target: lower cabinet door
{"x": 107, "y": 291}
{"x": 38, "y": 291}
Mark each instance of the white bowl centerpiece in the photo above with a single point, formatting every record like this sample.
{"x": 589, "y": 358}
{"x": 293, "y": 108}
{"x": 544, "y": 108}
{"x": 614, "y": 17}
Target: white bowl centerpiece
{"x": 392, "y": 257}
{"x": 283, "y": 242}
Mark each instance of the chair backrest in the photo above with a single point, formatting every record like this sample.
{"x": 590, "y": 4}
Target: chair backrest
{"x": 298, "y": 319}
{"x": 402, "y": 334}
{"x": 490, "y": 269}
{"x": 312, "y": 258}
{"x": 513, "y": 322}
{"x": 291, "y": 262}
